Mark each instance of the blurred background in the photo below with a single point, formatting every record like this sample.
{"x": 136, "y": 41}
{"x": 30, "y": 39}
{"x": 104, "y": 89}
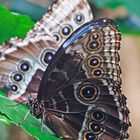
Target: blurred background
{"x": 127, "y": 15}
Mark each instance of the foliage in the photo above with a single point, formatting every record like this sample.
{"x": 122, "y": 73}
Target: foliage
{"x": 16, "y": 113}
{"x": 4, "y": 119}
{"x": 27, "y": 7}
{"x": 13, "y": 25}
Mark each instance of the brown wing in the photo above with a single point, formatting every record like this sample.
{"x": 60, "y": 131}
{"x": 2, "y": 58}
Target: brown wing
{"x": 19, "y": 64}
{"x": 63, "y": 17}
{"x": 81, "y": 88}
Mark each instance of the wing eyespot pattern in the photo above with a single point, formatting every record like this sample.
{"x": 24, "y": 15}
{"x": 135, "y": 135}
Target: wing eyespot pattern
{"x": 79, "y": 18}
{"x": 95, "y": 127}
{"x": 94, "y": 43}
{"x": 87, "y": 92}
{"x": 93, "y": 46}
{"x": 17, "y": 77}
{"x": 97, "y": 115}
{"x": 24, "y": 66}
{"x": 57, "y": 37}
{"x": 89, "y": 136}
{"x": 14, "y": 88}
{"x": 66, "y": 30}
{"x": 98, "y": 72}
{"x": 93, "y": 61}
{"x": 47, "y": 57}
{"x": 95, "y": 36}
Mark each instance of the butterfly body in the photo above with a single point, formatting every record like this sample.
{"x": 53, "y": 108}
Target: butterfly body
{"x": 80, "y": 95}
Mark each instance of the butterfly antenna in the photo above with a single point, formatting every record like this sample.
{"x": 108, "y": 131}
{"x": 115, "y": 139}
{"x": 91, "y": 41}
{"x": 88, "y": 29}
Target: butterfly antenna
{"x": 26, "y": 115}
{"x": 16, "y": 104}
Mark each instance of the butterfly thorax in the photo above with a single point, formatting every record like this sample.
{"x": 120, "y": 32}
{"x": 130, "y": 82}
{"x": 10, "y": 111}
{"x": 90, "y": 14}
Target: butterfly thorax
{"x": 37, "y": 108}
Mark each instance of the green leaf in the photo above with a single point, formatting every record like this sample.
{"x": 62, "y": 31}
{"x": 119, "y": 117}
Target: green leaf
{"x": 17, "y": 112}
{"x": 13, "y": 25}
{"x": 129, "y": 25}
{"x": 27, "y": 7}
{"x": 4, "y": 119}
{"x": 108, "y": 3}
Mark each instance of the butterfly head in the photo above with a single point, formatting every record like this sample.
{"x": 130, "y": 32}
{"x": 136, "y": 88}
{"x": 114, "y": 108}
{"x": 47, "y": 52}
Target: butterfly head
{"x": 36, "y": 108}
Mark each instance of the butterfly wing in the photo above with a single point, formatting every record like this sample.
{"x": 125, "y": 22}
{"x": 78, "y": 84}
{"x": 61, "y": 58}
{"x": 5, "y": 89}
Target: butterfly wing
{"x": 19, "y": 65}
{"x": 63, "y": 17}
{"x": 81, "y": 88}
{"x": 51, "y": 24}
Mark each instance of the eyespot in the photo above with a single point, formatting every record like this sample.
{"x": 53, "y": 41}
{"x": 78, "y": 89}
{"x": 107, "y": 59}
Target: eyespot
{"x": 47, "y": 57}
{"x": 88, "y": 92}
{"x": 93, "y": 61}
{"x": 57, "y": 37}
{"x": 79, "y": 18}
{"x": 66, "y": 30}
{"x": 94, "y": 45}
{"x": 17, "y": 77}
{"x": 98, "y": 72}
{"x": 95, "y": 36}
{"x": 95, "y": 128}
{"x": 98, "y": 115}
{"x": 24, "y": 66}
{"x": 90, "y": 136}
{"x": 14, "y": 88}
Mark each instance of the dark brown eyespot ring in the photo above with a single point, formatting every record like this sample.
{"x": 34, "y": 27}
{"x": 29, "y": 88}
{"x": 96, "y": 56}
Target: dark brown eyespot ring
{"x": 14, "y": 88}
{"x": 47, "y": 57}
{"x": 95, "y": 36}
{"x": 90, "y": 136}
{"x": 24, "y": 66}
{"x": 98, "y": 115}
{"x": 98, "y": 72}
{"x": 95, "y": 128}
{"x": 88, "y": 92}
{"x": 93, "y": 61}
{"x": 79, "y": 18}
{"x": 57, "y": 37}
{"x": 93, "y": 46}
{"x": 66, "y": 30}
{"x": 17, "y": 77}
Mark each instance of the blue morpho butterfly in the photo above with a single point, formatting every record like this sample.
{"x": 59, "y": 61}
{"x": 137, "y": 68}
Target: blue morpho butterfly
{"x": 80, "y": 95}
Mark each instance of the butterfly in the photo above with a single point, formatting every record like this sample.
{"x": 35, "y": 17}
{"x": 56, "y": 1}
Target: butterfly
{"x": 80, "y": 96}
{"x": 23, "y": 62}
